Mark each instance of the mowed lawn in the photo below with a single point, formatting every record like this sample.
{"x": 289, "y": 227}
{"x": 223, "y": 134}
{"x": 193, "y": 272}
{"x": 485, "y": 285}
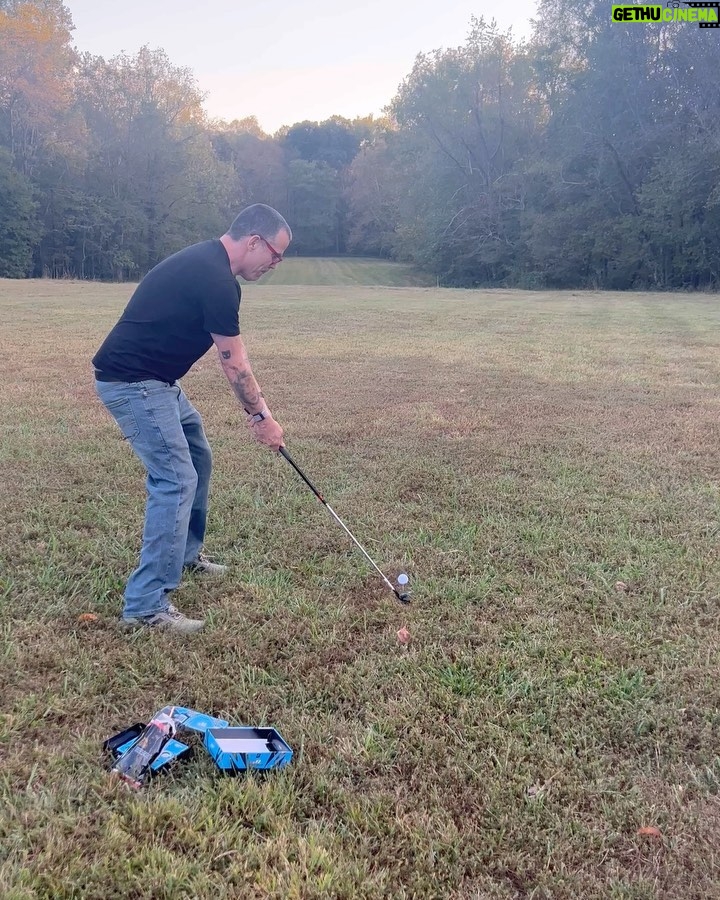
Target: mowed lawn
{"x": 348, "y": 270}
{"x": 545, "y": 466}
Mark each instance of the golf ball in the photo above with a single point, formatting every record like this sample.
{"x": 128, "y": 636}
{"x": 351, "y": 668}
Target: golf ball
{"x": 403, "y": 579}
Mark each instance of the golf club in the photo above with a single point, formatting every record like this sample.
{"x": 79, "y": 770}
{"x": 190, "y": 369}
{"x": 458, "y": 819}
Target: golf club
{"x": 403, "y": 598}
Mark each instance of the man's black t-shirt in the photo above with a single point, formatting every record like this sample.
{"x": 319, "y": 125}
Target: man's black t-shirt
{"x": 167, "y": 324}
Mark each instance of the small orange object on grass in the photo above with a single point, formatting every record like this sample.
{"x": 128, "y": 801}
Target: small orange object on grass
{"x": 87, "y": 618}
{"x": 403, "y": 635}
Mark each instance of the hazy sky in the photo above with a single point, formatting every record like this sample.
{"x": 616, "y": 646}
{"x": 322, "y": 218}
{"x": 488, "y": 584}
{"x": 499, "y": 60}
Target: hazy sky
{"x": 289, "y": 60}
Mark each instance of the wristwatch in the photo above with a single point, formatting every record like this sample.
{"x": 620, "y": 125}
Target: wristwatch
{"x": 257, "y": 417}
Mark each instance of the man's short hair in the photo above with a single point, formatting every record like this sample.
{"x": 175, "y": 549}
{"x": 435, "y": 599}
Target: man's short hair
{"x": 258, "y": 219}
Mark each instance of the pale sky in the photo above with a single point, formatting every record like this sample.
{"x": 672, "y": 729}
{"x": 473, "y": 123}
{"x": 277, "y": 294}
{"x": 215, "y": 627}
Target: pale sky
{"x": 285, "y": 61}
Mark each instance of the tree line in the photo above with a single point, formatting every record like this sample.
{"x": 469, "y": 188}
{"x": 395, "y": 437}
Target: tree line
{"x": 587, "y": 156}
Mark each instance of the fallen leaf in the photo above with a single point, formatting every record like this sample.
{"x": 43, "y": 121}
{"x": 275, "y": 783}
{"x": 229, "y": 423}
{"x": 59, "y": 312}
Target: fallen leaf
{"x": 620, "y": 586}
{"x": 650, "y": 831}
{"x": 403, "y": 636}
{"x": 87, "y": 618}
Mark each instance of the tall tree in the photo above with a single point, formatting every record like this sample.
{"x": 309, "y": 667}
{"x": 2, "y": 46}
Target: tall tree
{"x": 36, "y": 68}
{"x": 372, "y": 194}
{"x": 18, "y": 221}
{"x": 313, "y": 207}
{"x": 334, "y": 142}
{"x": 150, "y": 154}
{"x": 329, "y": 146}
{"x": 257, "y": 161}
{"x": 619, "y": 105}
{"x": 468, "y": 120}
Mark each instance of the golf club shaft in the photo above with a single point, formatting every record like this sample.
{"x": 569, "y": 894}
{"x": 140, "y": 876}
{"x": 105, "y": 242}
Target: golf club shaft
{"x": 337, "y": 518}
{"x": 358, "y": 545}
{"x": 304, "y": 477}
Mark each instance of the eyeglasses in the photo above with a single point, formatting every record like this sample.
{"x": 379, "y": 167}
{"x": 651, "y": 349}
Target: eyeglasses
{"x": 276, "y": 257}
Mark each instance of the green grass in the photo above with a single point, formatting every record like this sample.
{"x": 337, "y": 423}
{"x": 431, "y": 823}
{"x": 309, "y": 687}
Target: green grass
{"x": 347, "y": 270}
{"x": 518, "y": 454}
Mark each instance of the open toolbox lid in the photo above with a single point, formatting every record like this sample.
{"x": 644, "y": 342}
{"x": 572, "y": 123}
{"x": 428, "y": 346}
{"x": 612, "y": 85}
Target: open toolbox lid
{"x": 192, "y": 719}
{"x": 120, "y": 743}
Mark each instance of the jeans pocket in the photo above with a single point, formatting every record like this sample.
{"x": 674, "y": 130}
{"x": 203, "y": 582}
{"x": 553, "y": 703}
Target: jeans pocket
{"x": 121, "y": 410}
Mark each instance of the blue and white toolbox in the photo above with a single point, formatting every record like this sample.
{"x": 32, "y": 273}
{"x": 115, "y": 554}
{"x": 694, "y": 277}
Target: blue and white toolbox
{"x": 233, "y": 749}
{"x": 237, "y": 749}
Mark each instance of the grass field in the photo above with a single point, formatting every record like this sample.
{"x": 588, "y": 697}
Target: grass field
{"x": 349, "y": 270}
{"x": 519, "y": 454}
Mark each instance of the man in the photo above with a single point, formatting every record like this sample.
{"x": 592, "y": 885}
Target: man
{"x": 182, "y": 306}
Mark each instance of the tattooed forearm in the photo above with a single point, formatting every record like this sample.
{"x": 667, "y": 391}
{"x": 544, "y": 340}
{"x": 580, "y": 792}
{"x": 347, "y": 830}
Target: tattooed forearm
{"x": 246, "y": 388}
{"x": 237, "y": 369}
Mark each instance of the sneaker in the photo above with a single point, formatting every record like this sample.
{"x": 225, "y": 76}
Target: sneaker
{"x": 203, "y": 566}
{"x": 170, "y": 619}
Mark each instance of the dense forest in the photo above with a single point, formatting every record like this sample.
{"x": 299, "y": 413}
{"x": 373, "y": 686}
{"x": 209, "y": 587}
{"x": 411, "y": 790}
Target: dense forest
{"x": 588, "y": 156}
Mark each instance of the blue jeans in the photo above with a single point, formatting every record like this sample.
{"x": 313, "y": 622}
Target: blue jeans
{"x": 166, "y": 433}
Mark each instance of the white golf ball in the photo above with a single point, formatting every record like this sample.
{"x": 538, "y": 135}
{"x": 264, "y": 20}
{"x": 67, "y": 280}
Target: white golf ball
{"x": 403, "y": 579}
